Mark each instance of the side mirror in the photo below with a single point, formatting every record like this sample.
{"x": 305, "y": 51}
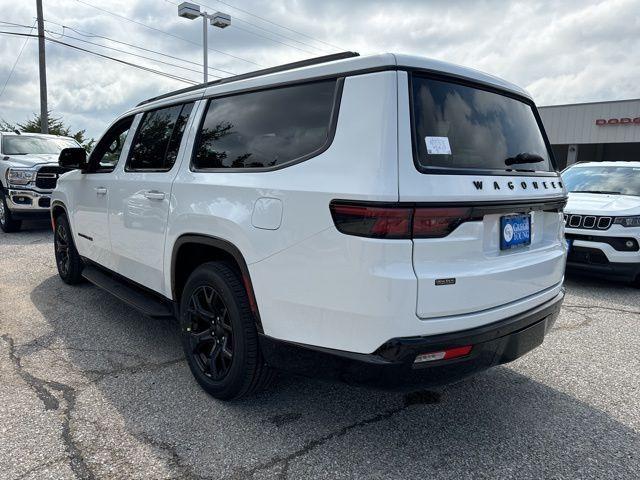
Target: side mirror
{"x": 74, "y": 157}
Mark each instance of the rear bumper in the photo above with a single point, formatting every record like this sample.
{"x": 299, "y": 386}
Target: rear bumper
{"x": 392, "y": 365}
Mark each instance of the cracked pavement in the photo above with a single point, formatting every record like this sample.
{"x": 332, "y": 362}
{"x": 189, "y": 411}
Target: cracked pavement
{"x": 91, "y": 389}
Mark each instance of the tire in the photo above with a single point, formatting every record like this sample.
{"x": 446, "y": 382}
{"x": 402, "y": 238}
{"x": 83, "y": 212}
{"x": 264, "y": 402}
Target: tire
{"x": 219, "y": 335}
{"x": 68, "y": 260}
{"x": 7, "y": 223}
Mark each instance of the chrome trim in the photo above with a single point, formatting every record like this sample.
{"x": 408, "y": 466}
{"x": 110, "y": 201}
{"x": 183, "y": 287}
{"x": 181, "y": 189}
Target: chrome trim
{"x": 577, "y": 223}
{"x": 609, "y": 220}
{"x": 588, "y": 222}
{"x": 33, "y": 195}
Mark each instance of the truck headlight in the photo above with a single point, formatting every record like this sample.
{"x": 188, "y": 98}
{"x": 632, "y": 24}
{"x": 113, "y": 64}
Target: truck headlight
{"x": 628, "y": 221}
{"x": 20, "y": 176}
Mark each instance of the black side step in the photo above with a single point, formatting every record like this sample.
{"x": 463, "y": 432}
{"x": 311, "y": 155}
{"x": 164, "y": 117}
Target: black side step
{"x": 147, "y": 303}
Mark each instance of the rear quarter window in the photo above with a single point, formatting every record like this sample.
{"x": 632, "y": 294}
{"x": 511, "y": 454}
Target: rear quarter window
{"x": 459, "y": 128}
{"x": 266, "y": 129}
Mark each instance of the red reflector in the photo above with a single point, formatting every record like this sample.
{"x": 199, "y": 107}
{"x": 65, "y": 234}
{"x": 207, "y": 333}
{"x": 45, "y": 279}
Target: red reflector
{"x": 457, "y": 352}
{"x": 375, "y": 222}
{"x": 449, "y": 354}
{"x": 438, "y": 222}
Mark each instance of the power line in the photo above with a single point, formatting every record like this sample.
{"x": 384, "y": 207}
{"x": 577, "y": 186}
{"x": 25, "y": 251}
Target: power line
{"x": 272, "y": 39}
{"x": 165, "y": 33}
{"x": 110, "y": 39}
{"x": 17, "y": 59}
{"x": 277, "y": 24}
{"x": 125, "y": 52}
{"x": 124, "y": 62}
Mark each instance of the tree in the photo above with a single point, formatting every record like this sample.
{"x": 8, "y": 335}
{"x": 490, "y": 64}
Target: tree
{"x": 56, "y": 127}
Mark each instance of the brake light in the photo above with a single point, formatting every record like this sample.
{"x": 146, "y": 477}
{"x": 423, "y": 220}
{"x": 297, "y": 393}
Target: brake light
{"x": 398, "y": 221}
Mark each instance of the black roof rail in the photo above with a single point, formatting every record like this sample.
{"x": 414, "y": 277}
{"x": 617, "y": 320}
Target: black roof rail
{"x": 258, "y": 73}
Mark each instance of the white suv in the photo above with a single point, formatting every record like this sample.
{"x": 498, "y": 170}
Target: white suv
{"x": 385, "y": 219}
{"x": 603, "y": 219}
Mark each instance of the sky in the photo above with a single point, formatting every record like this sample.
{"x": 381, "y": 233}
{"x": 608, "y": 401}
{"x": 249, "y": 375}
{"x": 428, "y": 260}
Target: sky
{"x": 560, "y": 51}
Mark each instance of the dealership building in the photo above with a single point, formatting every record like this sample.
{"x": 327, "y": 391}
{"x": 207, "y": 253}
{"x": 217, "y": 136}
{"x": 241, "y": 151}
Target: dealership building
{"x": 593, "y": 132}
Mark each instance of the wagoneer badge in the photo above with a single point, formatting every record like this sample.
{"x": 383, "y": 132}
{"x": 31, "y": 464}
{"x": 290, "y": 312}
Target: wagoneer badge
{"x": 524, "y": 185}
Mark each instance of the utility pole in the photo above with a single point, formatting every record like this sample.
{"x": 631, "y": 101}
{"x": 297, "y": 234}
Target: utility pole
{"x": 44, "y": 109}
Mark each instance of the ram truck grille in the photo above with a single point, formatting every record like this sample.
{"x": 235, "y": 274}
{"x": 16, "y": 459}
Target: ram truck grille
{"x": 47, "y": 177}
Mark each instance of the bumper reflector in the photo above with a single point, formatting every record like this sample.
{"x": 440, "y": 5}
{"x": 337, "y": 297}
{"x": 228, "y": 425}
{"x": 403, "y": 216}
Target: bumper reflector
{"x": 449, "y": 354}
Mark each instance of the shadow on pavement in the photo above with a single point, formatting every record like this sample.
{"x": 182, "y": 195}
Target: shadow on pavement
{"x": 498, "y": 424}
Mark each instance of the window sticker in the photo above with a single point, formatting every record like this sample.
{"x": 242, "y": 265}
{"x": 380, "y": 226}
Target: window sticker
{"x": 438, "y": 145}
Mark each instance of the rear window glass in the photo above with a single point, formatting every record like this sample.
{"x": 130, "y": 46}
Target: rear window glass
{"x": 266, "y": 128}
{"x": 465, "y": 128}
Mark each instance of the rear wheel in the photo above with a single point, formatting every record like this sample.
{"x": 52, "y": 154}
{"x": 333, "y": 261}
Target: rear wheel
{"x": 68, "y": 260}
{"x": 219, "y": 335}
{"x": 7, "y": 222}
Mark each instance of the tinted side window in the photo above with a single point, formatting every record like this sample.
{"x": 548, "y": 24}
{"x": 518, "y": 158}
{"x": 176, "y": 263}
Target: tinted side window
{"x": 157, "y": 141}
{"x": 106, "y": 153}
{"x": 266, "y": 128}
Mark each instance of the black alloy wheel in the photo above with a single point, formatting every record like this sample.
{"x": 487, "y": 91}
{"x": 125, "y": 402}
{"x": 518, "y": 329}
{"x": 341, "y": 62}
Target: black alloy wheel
{"x": 219, "y": 333}
{"x": 61, "y": 243}
{"x": 210, "y": 332}
{"x": 68, "y": 260}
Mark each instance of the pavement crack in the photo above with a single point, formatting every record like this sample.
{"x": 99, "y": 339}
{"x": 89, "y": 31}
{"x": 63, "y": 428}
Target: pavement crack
{"x": 182, "y": 469}
{"x": 43, "y": 388}
{"x": 598, "y": 307}
{"x": 140, "y": 367}
{"x": 313, "y": 444}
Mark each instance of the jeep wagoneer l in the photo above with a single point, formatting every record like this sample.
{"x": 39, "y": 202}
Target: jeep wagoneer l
{"x": 388, "y": 219}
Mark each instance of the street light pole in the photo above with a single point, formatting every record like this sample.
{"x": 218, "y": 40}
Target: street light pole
{"x": 205, "y": 46}
{"x": 220, "y": 20}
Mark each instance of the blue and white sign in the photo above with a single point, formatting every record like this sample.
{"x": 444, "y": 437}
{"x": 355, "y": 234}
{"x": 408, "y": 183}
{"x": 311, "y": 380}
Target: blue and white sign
{"x": 515, "y": 231}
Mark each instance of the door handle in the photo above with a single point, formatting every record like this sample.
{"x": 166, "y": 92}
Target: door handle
{"x": 101, "y": 191}
{"x": 154, "y": 195}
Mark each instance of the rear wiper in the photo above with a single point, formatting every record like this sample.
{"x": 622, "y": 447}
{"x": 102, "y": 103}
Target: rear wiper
{"x": 607, "y": 192}
{"x": 523, "y": 158}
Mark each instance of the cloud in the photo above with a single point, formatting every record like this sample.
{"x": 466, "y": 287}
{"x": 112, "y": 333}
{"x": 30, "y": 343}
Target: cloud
{"x": 562, "y": 52}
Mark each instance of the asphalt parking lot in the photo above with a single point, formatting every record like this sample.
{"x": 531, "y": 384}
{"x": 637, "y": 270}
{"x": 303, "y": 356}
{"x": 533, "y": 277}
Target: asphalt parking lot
{"x": 91, "y": 389}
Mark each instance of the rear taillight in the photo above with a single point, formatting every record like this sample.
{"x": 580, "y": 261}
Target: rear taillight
{"x": 371, "y": 221}
{"x": 438, "y": 222}
{"x": 398, "y": 221}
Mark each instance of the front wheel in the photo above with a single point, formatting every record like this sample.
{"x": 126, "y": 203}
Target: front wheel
{"x": 68, "y": 260}
{"x": 7, "y": 223}
{"x": 219, "y": 335}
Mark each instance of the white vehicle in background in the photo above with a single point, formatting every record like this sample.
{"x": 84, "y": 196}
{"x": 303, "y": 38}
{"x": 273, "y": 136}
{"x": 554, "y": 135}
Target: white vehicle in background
{"x": 29, "y": 171}
{"x": 387, "y": 219}
{"x": 602, "y": 219}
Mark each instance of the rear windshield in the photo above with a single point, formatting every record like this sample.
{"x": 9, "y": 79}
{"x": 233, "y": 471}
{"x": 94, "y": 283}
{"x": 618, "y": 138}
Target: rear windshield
{"x": 596, "y": 179}
{"x": 464, "y": 128}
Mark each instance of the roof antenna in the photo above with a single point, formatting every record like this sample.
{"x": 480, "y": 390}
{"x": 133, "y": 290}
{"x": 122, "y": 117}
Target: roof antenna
{"x": 17, "y": 131}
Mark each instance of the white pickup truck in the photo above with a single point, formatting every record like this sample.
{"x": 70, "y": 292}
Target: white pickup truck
{"x": 29, "y": 171}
